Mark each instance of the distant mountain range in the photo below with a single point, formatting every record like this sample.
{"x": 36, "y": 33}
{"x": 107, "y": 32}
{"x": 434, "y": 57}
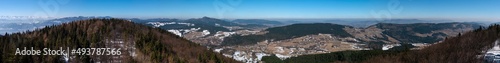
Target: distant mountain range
{"x": 24, "y": 18}
{"x": 24, "y": 24}
{"x": 21, "y": 23}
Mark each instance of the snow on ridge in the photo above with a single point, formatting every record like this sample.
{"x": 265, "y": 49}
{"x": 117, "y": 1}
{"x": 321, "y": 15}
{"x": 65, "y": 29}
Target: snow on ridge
{"x": 218, "y": 50}
{"x": 188, "y": 24}
{"x": 280, "y": 49}
{"x": 491, "y": 55}
{"x": 419, "y": 44}
{"x": 495, "y": 49}
{"x": 205, "y": 32}
{"x": 246, "y": 57}
{"x": 222, "y": 35}
{"x": 176, "y": 32}
{"x": 159, "y": 24}
{"x": 180, "y": 32}
{"x": 217, "y": 24}
{"x": 238, "y": 55}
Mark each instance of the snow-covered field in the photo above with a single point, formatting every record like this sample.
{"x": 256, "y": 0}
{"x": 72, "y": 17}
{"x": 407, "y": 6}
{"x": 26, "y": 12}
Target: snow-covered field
{"x": 180, "y": 32}
{"x": 493, "y": 54}
{"x": 222, "y": 35}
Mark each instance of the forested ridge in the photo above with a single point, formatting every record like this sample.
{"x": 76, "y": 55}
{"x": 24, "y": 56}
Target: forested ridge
{"x": 150, "y": 45}
{"x": 466, "y": 47}
{"x": 406, "y": 32}
{"x": 288, "y": 32}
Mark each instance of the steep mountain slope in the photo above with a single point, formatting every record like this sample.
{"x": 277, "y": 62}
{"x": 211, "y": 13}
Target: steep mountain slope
{"x": 138, "y": 43}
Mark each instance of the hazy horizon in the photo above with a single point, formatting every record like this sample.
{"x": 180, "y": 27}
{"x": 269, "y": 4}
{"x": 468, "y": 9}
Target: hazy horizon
{"x": 259, "y": 9}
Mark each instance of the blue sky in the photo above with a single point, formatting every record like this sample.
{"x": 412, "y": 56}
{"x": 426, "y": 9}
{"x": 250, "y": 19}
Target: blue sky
{"x": 451, "y": 9}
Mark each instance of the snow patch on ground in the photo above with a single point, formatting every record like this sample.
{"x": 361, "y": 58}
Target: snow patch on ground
{"x": 246, "y": 57}
{"x": 260, "y": 55}
{"x": 176, "y": 32}
{"x": 389, "y": 46}
{"x": 205, "y": 32}
{"x": 282, "y": 57}
{"x": 493, "y": 55}
{"x": 419, "y": 44}
{"x": 217, "y": 24}
{"x": 280, "y": 49}
{"x": 239, "y": 56}
{"x": 495, "y": 50}
{"x": 356, "y": 46}
{"x": 222, "y": 35}
{"x": 218, "y": 50}
{"x": 159, "y": 24}
{"x": 66, "y": 57}
{"x": 180, "y": 32}
{"x": 188, "y": 24}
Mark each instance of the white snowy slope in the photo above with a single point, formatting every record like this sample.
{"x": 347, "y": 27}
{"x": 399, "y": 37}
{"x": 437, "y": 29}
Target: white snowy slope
{"x": 176, "y": 32}
{"x": 181, "y": 32}
{"x": 493, "y": 54}
{"x": 389, "y": 46}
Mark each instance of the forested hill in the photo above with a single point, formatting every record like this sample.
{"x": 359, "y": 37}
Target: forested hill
{"x": 465, "y": 48}
{"x": 409, "y": 33}
{"x": 469, "y": 47}
{"x": 288, "y": 32}
{"x": 138, "y": 43}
